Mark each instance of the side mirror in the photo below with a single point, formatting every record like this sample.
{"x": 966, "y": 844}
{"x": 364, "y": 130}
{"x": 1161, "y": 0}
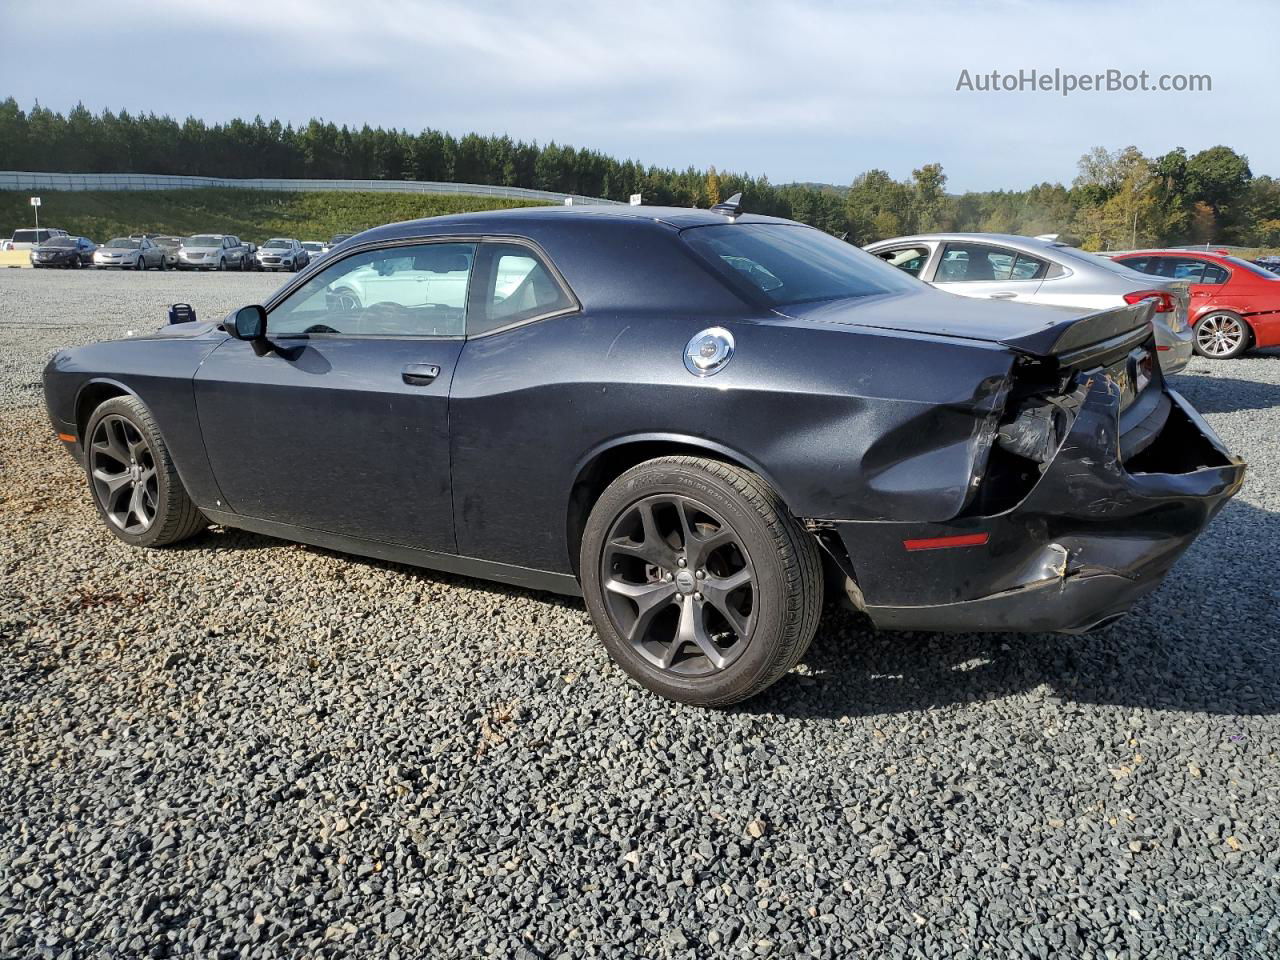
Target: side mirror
{"x": 248, "y": 323}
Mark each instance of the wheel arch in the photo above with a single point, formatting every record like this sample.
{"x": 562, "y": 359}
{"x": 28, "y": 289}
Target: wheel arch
{"x": 92, "y": 394}
{"x": 1236, "y": 312}
{"x": 609, "y": 460}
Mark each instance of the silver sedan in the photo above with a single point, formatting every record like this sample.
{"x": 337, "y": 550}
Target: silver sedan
{"x": 1042, "y": 270}
{"x": 130, "y": 253}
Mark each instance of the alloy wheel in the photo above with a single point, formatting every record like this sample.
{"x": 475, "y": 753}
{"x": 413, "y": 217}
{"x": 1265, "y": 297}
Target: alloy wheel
{"x": 679, "y": 585}
{"x": 123, "y": 469}
{"x": 1219, "y": 335}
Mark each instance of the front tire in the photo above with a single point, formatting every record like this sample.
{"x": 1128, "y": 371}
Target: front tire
{"x": 1222, "y": 335}
{"x": 132, "y": 479}
{"x": 701, "y": 584}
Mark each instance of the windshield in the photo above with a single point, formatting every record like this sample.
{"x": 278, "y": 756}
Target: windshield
{"x": 1251, "y": 267}
{"x": 276, "y": 245}
{"x": 312, "y": 245}
{"x": 169, "y": 243}
{"x": 203, "y": 240}
{"x": 124, "y": 243}
{"x": 59, "y": 242}
{"x": 794, "y": 264}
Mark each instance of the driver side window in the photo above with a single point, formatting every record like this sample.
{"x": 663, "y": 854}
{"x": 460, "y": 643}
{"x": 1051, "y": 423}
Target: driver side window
{"x": 417, "y": 290}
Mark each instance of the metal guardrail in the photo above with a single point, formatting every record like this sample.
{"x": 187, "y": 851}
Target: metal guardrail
{"x": 27, "y": 180}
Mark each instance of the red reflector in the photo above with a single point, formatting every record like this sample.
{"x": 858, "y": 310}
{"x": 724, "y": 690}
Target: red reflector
{"x": 939, "y": 543}
{"x": 1164, "y": 348}
{"x": 67, "y": 437}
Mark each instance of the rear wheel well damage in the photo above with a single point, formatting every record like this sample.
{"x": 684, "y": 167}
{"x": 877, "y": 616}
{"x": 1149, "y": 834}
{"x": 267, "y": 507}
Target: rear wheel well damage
{"x": 602, "y": 469}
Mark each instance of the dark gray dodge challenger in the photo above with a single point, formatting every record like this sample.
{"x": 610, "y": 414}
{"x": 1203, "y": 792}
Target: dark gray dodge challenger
{"x": 697, "y": 419}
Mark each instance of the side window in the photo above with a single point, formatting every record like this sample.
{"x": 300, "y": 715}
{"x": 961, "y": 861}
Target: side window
{"x": 1028, "y": 268}
{"x": 512, "y": 285}
{"x": 972, "y": 262}
{"x": 1189, "y": 270}
{"x": 418, "y": 290}
{"x": 907, "y": 259}
{"x": 1214, "y": 274}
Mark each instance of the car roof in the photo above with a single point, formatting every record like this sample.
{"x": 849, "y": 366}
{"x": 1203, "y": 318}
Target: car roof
{"x": 679, "y": 218}
{"x": 1167, "y": 252}
{"x": 1007, "y": 239}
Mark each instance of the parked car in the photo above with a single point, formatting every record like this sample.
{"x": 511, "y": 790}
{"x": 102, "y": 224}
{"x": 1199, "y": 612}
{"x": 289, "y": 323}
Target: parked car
{"x": 315, "y": 249}
{"x": 26, "y": 239}
{"x": 688, "y": 416}
{"x": 170, "y": 246}
{"x": 283, "y": 253}
{"x": 213, "y": 251}
{"x": 127, "y": 253}
{"x": 1235, "y": 304}
{"x": 1042, "y": 271}
{"x": 64, "y": 251}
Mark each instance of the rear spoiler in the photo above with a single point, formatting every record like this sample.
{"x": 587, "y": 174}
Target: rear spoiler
{"x": 1080, "y": 333}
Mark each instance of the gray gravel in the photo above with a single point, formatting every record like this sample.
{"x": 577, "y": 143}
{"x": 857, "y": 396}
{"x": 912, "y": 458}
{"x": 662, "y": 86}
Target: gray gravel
{"x": 244, "y": 748}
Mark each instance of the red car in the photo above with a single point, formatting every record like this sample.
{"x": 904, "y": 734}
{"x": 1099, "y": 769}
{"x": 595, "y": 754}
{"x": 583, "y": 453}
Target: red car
{"x": 1235, "y": 304}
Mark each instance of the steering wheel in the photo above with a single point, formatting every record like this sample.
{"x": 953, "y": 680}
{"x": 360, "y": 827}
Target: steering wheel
{"x": 319, "y": 328}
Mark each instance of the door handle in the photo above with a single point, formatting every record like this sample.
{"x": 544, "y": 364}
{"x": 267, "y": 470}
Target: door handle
{"x": 1002, "y": 295}
{"x": 419, "y": 374}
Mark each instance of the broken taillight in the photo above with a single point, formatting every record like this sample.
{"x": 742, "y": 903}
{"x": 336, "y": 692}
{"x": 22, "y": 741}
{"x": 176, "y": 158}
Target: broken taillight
{"x": 1163, "y": 299}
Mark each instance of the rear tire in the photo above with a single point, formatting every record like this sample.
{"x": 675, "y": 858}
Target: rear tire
{"x": 132, "y": 479}
{"x": 702, "y": 585}
{"x": 1222, "y": 335}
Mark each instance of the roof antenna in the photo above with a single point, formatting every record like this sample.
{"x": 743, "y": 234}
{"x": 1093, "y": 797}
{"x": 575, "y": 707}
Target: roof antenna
{"x": 731, "y": 207}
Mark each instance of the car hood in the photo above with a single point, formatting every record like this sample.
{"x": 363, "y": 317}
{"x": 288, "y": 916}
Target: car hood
{"x": 1030, "y": 328}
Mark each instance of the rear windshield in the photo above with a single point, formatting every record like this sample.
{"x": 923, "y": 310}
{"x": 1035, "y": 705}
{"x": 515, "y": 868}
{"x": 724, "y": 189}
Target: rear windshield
{"x": 1251, "y": 267}
{"x": 30, "y": 236}
{"x": 787, "y": 264}
{"x": 1095, "y": 260}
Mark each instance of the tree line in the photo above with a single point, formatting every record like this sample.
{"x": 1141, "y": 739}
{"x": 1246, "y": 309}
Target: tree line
{"x": 1120, "y": 198}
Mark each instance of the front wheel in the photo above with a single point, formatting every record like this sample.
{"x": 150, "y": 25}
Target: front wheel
{"x": 132, "y": 478}
{"x": 1222, "y": 335}
{"x": 701, "y": 584}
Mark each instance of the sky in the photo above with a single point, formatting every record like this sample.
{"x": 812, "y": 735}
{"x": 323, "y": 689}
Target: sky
{"x": 797, "y": 90}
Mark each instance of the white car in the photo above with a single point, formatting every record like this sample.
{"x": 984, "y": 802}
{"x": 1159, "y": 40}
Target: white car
{"x": 283, "y": 253}
{"x": 315, "y": 248}
{"x": 1044, "y": 271}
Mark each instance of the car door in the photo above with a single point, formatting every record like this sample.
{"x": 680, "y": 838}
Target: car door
{"x": 341, "y": 424}
{"x": 986, "y": 270}
{"x": 1204, "y": 279}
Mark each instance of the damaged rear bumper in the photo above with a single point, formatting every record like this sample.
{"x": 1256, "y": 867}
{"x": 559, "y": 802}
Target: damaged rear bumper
{"x": 1092, "y": 536}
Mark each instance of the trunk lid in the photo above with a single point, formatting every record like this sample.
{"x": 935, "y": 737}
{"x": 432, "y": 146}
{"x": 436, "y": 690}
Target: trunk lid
{"x": 1028, "y": 328}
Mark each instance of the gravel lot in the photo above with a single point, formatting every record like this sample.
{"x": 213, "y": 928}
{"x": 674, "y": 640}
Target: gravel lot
{"x": 244, "y": 748}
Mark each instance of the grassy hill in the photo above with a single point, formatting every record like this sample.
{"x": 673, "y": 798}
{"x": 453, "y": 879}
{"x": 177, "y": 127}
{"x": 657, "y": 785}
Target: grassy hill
{"x": 252, "y": 215}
